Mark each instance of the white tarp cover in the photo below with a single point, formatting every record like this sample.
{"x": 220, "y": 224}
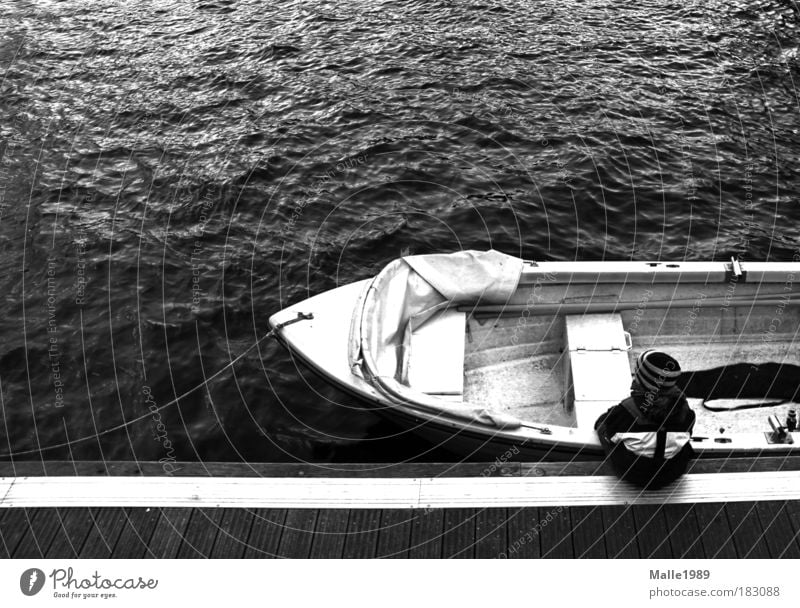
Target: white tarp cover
{"x": 407, "y": 293}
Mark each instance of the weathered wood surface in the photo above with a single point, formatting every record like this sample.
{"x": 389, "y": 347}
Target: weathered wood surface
{"x": 506, "y": 469}
{"x": 768, "y": 530}
{"x": 391, "y": 493}
{"x": 735, "y": 529}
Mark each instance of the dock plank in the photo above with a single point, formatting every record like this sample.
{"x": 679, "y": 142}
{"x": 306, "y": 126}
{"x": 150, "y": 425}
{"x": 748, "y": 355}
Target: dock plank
{"x": 523, "y": 535}
{"x": 37, "y": 540}
{"x": 556, "y": 533}
{"x": 394, "y": 536}
{"x": 491, "y": 533}
{"x": 779, "y": 536}
{"x": 104, "y": 531}
{"x": 362, "y": 534}
{"x": 427, "y": 532}
{"x": 241, "y": 469}
{"x": 652, "y": 533}
{"x": 70, "y": 537}
{"x": 298, "y": 533}
{"x": 684, "y": 533}
{"x": 765, "y": 529}
{"x": 619, "y": 532}
{"x": 4, "y": 552}
{"x": 373, "y": 470}
{"x": 587, "y": 533}
{"x": 792, "y": 510}
{"x": 198, "y": 540}
{"x": 330, "y": 534}
{"x": 744, "y": 465}
{"x": 565, "y": 469}
{"x": 138, "y": 527}
{"x": 752, "y": 524}
{"x": 18, "y": 528}
{"x": 169, "y": 532}
{"x": 234, "y": 530}
{"x": 748, "y": 535}
{"x": 265, "y": 533}
{"x": 715, "y": 532}
{"x": 477, "y": 493}
{"x": 458, "y": 539}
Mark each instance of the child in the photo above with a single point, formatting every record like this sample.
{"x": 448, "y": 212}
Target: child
{"x": 647, "y": 436}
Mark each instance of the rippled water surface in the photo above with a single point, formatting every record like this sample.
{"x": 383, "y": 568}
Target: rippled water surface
{"x": 174, "y": 172}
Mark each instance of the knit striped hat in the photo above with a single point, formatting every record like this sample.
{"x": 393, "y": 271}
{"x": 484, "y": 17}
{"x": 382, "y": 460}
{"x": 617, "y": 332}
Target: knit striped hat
{"x": 656, "y": 371}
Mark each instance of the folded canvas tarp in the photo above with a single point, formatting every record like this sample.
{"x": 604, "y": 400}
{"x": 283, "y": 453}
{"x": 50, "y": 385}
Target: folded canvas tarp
{"x": 407, "y": 293}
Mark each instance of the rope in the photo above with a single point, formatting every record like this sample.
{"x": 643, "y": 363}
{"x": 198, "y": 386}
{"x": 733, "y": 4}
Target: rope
{"x": 271, "y": 333}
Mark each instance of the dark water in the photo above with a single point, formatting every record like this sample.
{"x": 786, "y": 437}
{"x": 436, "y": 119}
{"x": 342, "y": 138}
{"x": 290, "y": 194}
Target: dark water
{"x": 174, "y": 172}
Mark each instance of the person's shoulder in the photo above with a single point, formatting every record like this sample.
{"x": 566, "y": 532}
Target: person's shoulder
{"x": 682, "y": 414}
{"x": 620, "y": 414}
{"x": 683, "y": 406}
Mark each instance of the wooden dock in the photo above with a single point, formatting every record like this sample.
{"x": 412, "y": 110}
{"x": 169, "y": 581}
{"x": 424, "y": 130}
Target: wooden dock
{"x": 625, "y": 523}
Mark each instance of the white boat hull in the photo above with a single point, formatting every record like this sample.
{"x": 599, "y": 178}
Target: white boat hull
{"x": 324, "y": 342}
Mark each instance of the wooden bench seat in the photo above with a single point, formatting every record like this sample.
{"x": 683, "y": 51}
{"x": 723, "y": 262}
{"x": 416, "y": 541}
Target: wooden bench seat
{"x": 599, "y": 374}
{"x": 436, "y": 362}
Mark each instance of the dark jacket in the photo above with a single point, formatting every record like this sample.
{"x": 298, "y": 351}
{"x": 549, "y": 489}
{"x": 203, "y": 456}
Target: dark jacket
{"x": 650, "y": 451}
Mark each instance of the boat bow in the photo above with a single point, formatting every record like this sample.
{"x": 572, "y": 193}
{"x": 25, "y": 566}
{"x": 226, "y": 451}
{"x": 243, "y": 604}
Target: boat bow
{"x": 406, "y": 295}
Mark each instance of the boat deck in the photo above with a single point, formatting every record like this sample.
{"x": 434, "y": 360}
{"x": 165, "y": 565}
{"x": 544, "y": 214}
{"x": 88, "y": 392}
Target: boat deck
{"x": 668, "y": 527}
{"x": 521, "y": 364}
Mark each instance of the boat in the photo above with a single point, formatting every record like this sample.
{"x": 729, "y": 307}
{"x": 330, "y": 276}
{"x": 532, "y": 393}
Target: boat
{"x": 489, "y": 355}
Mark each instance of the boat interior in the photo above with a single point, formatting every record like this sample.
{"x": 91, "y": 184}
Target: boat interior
{"x": 563, "y": 355}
